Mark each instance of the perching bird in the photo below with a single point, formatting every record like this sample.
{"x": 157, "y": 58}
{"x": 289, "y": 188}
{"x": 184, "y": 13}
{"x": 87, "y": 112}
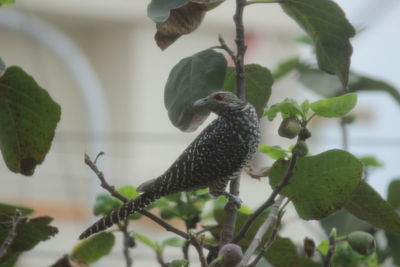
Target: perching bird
{"x": 216, "y": 156}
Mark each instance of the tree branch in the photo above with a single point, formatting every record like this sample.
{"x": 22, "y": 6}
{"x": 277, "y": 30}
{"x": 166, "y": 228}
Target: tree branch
{"x": 116, "y": 194}
{"x": 270, "y": 240}
{"x": 272, "y": 218}
{"x": 199, "y": 247}
{"x": 228, "y": 227}
{"x": 127, "y": 240}
{"x": 285, "y": 181}
{"x": 11, "y": 234}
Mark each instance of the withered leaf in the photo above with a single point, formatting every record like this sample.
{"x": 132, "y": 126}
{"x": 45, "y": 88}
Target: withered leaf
{"x": 182, "y": 20}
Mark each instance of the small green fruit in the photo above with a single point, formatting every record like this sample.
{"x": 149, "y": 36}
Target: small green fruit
{"x": 300, "y": 149}
{"x": 362, "y": 242}
{"x": 289, "y": 128}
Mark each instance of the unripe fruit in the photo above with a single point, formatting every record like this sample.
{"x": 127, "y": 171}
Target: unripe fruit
{"x": 300, "y": 149}
{"x": 289, "y": 128}
{"x": 362, "y": 242}
{"x": 232, "y": 254}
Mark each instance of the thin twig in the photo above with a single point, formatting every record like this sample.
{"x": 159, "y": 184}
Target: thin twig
{"x": 285, "y": 181}
{"x": 199, "y": 247}
{"x": 124, "y": 229}
{"x": 11, "y": 234}
{"x": 272, "y": 218}
{"x": 225, "y": 47}
{"x": 270, "y": 240}
{"x": 332, "y": 245}
{"x": 146, "y": 213}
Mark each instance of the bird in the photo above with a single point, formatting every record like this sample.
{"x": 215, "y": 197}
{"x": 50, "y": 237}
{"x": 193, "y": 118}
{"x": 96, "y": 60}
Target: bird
{"x": 214, "y": 157}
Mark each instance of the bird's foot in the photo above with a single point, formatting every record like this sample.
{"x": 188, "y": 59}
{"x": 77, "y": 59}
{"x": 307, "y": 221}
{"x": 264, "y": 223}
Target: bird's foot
{"x": 232, "y": 198}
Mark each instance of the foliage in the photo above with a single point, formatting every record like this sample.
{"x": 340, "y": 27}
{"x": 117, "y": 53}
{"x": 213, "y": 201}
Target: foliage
{"x": 329, "y": 186}
{"x": 28, "y": 118}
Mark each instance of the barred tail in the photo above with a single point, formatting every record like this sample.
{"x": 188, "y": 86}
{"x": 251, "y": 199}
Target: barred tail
{"x": 120, "y": 214}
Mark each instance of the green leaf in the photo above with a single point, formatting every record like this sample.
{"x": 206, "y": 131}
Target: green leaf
{"x": 285, "y": 68}
{"x": 363, "y": 83}
{"x": 28, "y": 234}
{"x": 366, "y": 204}
{"x": 94, "y": 248}
{"x": 371, "y": 161}
{"x": 159, "y": 10}
{"x": 128, "y": 192}
{"x": 179, "y": 263}
{"x": 393, "y": 194}
{"x": 344, "y": 223}
{"x": 105, "y": 204}
{"x": 305, "y": 106}
{"x": 344, "y": 255}
{"x": 328, "y": 86}
{"x": 326, "y": 24}
{"x": 258, "y": 85}
{"x": 287, "y": 108}
{"x": 283, "y": 253}
{"x": 393, "y": 246}
{"x": 323, "y": 247}
{"x": 193, "y": 78}
{"x": 335, "y": 107}
{"x": 320, "y": 184}
{"x": 146, "y": 240}
{"x": 173, "y": 242}
{"x": 9, "y": 210}
{"x": 274, "y": 152}
{"x": 28, "y": 118}
{"x": 6, "y": 3}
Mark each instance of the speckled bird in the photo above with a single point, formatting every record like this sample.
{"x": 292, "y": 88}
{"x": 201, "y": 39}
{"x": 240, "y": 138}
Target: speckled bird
{"x": 216, "y": 156}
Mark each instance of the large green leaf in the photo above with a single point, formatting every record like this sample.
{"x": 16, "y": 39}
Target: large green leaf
{"x": 283, "y": 253}
{"x": 159, "y": 10}
{"x": 393, "y": 194}
{"x": 368, "y": 205}
{"x": 335, "y": 107}
{"x": 258, "y": 85}
{"x": 28, "y": 118}
{"x": 94, "y": 248}
{"x": 9, "y": 210}
{"x": 328, "y": 86}
{"x": 326, "y": 24}
{"x": 320, "y": 184}
{"x": 193, "y": 78}
{"x": 28, "y": 234}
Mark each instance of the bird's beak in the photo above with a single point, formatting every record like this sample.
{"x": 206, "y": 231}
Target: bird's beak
{"x": 201, "y": 102}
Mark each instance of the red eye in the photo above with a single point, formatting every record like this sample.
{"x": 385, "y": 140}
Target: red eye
{"x": 219, "y": 97}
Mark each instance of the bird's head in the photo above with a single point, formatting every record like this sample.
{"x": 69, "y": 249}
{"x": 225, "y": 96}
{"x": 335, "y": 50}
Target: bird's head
{"x": 222, "y": 102}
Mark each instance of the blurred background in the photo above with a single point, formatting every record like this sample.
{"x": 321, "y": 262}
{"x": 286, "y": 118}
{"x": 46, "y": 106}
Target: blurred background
{"x": 99, "y": 61}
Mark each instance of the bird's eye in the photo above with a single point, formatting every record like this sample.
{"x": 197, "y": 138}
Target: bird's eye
{"x": 219, "y": 97}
